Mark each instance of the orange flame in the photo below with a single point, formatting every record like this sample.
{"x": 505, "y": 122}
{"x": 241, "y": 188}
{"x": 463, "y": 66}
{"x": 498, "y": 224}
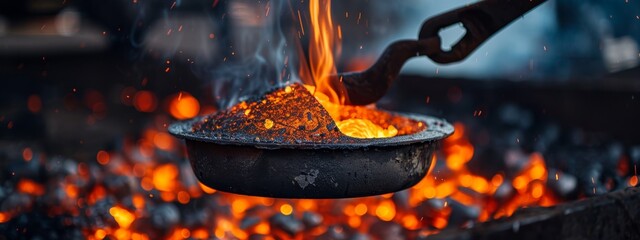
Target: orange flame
{"x": 321, "y": 48}
{"x": 324, "y": 40}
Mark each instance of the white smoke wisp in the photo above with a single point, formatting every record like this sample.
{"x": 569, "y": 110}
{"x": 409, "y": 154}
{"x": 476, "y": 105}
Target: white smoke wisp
{"x": 255, "y": 56}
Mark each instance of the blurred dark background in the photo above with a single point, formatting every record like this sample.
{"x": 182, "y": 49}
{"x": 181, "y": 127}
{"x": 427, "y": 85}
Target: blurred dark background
{"x": 78, "y": 74}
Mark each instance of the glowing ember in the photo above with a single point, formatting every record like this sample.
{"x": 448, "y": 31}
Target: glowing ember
{"x": 633, "y": 181}
{"x": 30, "y": 187}
{"x": 123, "y": 217}
{"x": 295, "y": 116}
{"x": 286, "y": 209}
{"x": 145, "y": 101}
{"x": 363, "y": 128}
{"x": 100, "y": 234}
{"x": 159, "y": 189}
{"x": 386, "y": 210}
{"x": 102, "y": 157}
{"x": 4, "y": 217}
{"x": 184, "y": 106}
{"x": 164, "y": 177}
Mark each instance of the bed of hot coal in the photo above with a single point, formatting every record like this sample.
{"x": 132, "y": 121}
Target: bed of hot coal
{"x": 143, "y": 188}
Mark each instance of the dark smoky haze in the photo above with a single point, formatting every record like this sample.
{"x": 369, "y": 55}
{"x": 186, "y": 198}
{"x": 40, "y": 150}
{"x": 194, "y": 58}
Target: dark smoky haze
{"x": 238, "y": 48}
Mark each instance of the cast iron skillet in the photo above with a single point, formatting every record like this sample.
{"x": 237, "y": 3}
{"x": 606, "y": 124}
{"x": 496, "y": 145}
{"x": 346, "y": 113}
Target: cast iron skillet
{"x": 362, "y": 167}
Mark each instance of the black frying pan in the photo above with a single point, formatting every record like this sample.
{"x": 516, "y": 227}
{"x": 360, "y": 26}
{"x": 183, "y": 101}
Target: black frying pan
{"x": 362, "y": 167}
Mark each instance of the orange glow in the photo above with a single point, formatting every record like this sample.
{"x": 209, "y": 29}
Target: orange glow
{"x": 98, "y": 193}
{"x": 165, "y": 177}
{"x": 27, "y": 154}
{"x": 223, "y": 227}
{"x": 480, "y": 185}
{"x": 139, "y": 236}
{"x": 138, "y": 201}
{"x": 34, "y": 103}
{"x": 537, "y": 189}
{"x": 163, "y": 141}
{"x": 410, "y": 222}
{"x": 463, "y": 198}
{"x": 122, "y": 234}
{"x": 386, "y": 211}
{"x": 268, "y": 123}
{"x": 71, "y": 190}
{"x": 30, "y": 187}
{"x": 200, "y": 233}
{"x": 360, "y": 209}
{"x": 262, "y": 228}
{"x": 184, "y": 106}
{"x": 206, "y": 189}
{"x": 465, "y": 180}
{"x": 306, "y": 204}
{"x": 146, "y": 183}
{"x": 286, "y": 209}
{"x": 238, "y": 206}
{"x": 354, "y": 221}
{"x": 451, "y": 180}
{"x": 123, "y": 217}
{"x": 633, "y": 181}
{"x": 445, "y": 189}
{"x": 531, "y": 186}
{"x": 103, "y": 157}
{"x": 146, "y": 148}
{"x": 387, "y": 195}
{"x": 537, "y": 169}
{"x": 183, "y": 197}
{"x": 537, "y": 172}
{"x": 455, "y": 162}
{"x": 238, "y": 233}
{"x": 496, "y": 181}
{"x": 324, "y": 44}
{"x": 145, "y": 101}
{"x": 167, "y": 196}
{"x": 429, "y": 192}
{"x": 363, "y": 128}
{"x": 349, "y": 210}
{"x": 100, "y": 234}
{"x": 185, "y": 233}
{"x": 179, "y": 234}
{"x": 520, "y": 182}
{"x": 4, "y": 217}
{"x": 458, "y": 133}
{"x": 440, "y": 223}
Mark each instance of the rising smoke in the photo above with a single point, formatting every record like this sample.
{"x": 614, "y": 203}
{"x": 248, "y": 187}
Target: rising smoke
{"x": 255, "y": 53}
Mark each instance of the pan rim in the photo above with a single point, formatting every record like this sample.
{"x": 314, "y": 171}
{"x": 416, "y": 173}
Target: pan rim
{"x": 436, "y": 130}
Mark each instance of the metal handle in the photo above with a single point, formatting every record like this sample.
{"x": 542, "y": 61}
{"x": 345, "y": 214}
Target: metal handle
{"x": 481, "y": 20}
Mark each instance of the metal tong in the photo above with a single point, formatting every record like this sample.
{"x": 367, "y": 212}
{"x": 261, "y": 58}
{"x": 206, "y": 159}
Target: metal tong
{"x": 481, "y": 20}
